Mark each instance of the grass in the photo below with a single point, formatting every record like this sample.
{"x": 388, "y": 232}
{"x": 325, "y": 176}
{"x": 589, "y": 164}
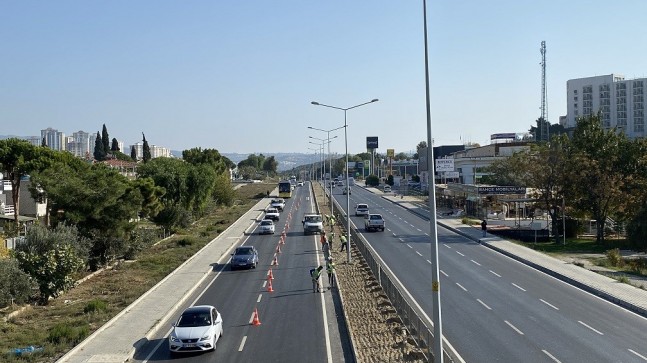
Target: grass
{"x": 68, "y": 319}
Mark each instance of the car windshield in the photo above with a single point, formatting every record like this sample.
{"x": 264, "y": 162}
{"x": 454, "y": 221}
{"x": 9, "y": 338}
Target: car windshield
{"x": 266, "y": 223}
{"x": 244, "y": 251}
{"x": 375, "y": 216}
{"x": 312, "y": 219}
{"x": 272, "y": 211}
{"x": 362, "y": 206}
{"x": 194, "y": 319}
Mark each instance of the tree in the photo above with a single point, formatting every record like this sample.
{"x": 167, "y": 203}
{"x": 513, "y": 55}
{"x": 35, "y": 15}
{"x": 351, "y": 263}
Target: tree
{"x": 553, "y": 129}
{"x": 133, "y": 153}
{"x": 211, "y": 157}
{"x": 15, "y": 284}
{"x": 146, "y": 149}
{"x": 421, "y": 145}
{"x": 105, "y": 140}
{"x": 372, "y": 180}
{"x": 99, "y": 152}
{"x": 401, "y": 156}
{"x": 270, "y": 165}
{"x": 43, "y": 142}
{"x": 115, "y": 146}
{"x": 19, "y": 158}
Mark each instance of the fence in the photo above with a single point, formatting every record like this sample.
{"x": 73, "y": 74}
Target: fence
{"x": 419, "y": 325}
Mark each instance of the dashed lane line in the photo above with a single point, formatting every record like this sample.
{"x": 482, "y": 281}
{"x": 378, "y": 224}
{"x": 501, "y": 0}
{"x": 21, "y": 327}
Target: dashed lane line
{"x": 419, "y": 254}
{"x": 242, "y": 344}
{"x": 495, "y": 274}
{"x": 429, "y": 262}
{"x": 518, "y": 287}
{"x": 460, "y": 254}
{"x": 484, "y": 304}
{"x": 476, "y": 263}
{"x": 514, "y": 327}
{"x": 447, "y": 246}
{"x": 551, "y": 356}
{"x": 443, "y": 272}
{"x": 549, "y": 304}
{"x": 461, "y": 286}
{"x": 590, "y": 327}
{"x": 638, "y": 354}
{"x": 259, "y": 298}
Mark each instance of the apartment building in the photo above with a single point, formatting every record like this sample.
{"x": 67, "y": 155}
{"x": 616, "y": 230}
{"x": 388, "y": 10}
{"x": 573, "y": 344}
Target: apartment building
{"x": 156, "y": 151}
{"x": 620, "y": 102}
{"x": 54, "y": 139}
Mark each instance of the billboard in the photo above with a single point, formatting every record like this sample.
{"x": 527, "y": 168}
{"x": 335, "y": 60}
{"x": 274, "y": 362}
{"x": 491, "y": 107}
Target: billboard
{"x": 390, "y": 153}
{"x": 452, "y": 174}
{"x": 371, "y": 142}
{"x": 444, "y": 165}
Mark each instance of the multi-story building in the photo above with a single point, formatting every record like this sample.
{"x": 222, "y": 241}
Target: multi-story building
{"x": 81, "y": 143}
{"x": 156, "y": 151}
{"x": 619, "y": 101}
{"x": 54, "y": 139}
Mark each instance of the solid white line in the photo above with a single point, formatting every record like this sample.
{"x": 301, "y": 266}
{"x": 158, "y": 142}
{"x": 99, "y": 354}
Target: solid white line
{"x": 518, "y": 287}
{"x": 443, "y": 272}
{"x": 478, "y": 264}
{"x": 551, "y": 356}
{"x": 460, "y": 254}
{"x": 495, "y": 274}
{"x": 419, "y": 254}
{"x": 461, "y": 286}
{"x": 513, "y": 327}
{"x": 484, "y": 304}
{"x": 259, "y": 298}
{"x": 242, "y": 344}
{"x": 588, "y": 326}
{"x": 640, "y": 355}
{"x": 549, "y": 304}
{"x": 251, "y": 318}
{"x": 429, "y": 262}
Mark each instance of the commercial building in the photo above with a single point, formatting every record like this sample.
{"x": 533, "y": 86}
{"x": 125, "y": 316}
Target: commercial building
{"x": 619, "y": 101}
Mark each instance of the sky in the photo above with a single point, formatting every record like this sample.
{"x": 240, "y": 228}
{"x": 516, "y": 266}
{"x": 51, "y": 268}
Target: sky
{"x": 240, "y": 76}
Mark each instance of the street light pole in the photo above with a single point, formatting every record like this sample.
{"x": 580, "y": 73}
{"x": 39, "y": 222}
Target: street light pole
{"x": 312, "y": 173}
{"x": 330, "y": 169}
{"x": 321, "y": 155}
{"x": 329, "y": 158}
{"x": 347, "y": 171}
{"x": 435, "y": 278}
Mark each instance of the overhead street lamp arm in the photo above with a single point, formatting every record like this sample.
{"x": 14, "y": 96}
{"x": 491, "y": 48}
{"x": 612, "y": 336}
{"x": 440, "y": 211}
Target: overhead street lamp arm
{"x": 343, "y": 109}
{"x": 314, "y": 128}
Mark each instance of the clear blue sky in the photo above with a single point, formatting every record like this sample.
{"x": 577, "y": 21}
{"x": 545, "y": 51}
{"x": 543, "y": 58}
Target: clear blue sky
{"x": 239, "y": 76}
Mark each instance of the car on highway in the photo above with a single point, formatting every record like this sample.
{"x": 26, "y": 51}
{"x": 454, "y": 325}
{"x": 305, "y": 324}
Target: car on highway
{"x": 347, "y": 190}
{"x": 387, "y": 189}
{"x": 361, "y": 209}
{"x": 374, "y": 222}
{"x": 340, "y": 183}
{"x": 266, "y": 227}
{"x": 244, "y": 256}
{"x": 278, "y": 203}
{"x": 312, "y": 223}
{"x": 272, "y": 214}
{"x": 196, "y": 330}
{"x": 300, "y": 184}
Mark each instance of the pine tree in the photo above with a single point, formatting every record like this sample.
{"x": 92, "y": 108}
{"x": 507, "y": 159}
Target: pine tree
{"x": 99, "y": 154}
{"x": 115, "y": 145}
{"x": 43, "y": 142}
{"x": 105, "y": 140}
{"x": 133, "y": 153}
{"x": 146, "y": 149}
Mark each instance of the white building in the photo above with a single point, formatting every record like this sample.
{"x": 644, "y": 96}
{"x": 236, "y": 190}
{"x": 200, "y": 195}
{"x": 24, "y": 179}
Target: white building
{"x": 54, "y": 139}
{"x": 620, "y": 102}
{"x": 81, "y": 143}
{"x": 156, "y": 151}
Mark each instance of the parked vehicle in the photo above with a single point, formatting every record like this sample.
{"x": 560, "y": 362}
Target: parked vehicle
{"x": 387, "y": 189}
{"x": 196, "y": 330}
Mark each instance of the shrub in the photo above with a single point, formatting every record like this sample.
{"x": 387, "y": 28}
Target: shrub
{"x": 65, "y": 334}
{"x": 15, "y": 284}
{"x": 95, "y": 306}
{"x": 615, "y": 258}
{"x": 186, "y": 241}
{"x": 372, "y": 180}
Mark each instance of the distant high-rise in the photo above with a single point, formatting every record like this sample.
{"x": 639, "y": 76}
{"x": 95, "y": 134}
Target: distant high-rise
{"x": 619, "y": 101}
{"x": 54, "y": 139}
{"x": 79, "y": 143}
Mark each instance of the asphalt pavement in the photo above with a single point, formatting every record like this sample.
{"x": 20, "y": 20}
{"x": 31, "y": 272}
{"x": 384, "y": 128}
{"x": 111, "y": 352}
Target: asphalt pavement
{"x": 625, "y": 295}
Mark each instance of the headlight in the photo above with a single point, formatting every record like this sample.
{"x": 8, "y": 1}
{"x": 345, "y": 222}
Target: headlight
{"x": 206, "y": 337}
{"x": 173, "y": 338}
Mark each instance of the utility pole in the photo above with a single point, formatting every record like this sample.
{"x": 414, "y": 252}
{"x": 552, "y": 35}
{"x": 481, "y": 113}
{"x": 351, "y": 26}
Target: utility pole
{"x": 543, "y": 124}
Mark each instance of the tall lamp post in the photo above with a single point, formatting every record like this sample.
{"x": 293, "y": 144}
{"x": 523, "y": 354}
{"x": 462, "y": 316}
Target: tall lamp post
{"x": 329, "y": 157}
{"x": 313, "y": 174}
{"x": 347, "y": 171}
{"x": 321, "y": 157}
{"x": 435, "y": 278}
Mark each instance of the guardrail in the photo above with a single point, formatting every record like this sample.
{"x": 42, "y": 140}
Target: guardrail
{"x": 414, "y": 318}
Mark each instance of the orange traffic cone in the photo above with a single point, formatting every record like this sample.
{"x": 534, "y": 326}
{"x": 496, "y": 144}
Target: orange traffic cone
{"x": 255, "y": 320}
{"x": 269, "y": 286}
{"x": 275, "y": 261}
{"x": 270, "y": 276}
{"x": 282, "y": 241}
{"x": 278, "y": 248}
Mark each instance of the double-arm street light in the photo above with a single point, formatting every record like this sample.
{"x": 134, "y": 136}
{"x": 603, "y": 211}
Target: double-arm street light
{"x": 347, "y": 171}
{"x": 313, "y": 175}
{"x": 321, "y": 156}
{"x": 329, "y": 158}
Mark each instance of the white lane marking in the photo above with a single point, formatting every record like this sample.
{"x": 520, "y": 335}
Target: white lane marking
{"x": 549, "y": 304}
{"x": 419, "y": 254}
{"x": 551, "y": 356}
{"x": 639, "y": 355}
{"x": 461, "y": 286}
{"x": 264, "y": 283}
{"x": 460, "y": 254}
{"x": 408, "y": 245}
{"x": 484, "y": 304}
{"x": 476, "y": 263}
{"x": 419, "y": 230}
{"x": 447, "y": 246}
{"x": 495, "y": 274}
{"x": 590, "y": 327}
{"x": 429, "y": 262}
{"x": 443, "y": 272}
{"x": 242, "y": 344}
{"x": 518, "y": 287}
{"x": 392, "y": 232}
{"x": 259, "y": 298}
{"x": 251, "y": 318}
{"x": 426, "y": 234}
{"x": 513, "y": 327}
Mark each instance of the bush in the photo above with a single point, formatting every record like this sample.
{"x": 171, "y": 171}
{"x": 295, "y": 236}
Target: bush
{"x": 372, "y": 180}
{"x": 615, "y": 258}
{"x": 138, "y": 241}
{"x": 186, "y": 241}
{"x": 95, "y": 306}
{"x": 15, "y": 284}
{"x": 65, "y": 334}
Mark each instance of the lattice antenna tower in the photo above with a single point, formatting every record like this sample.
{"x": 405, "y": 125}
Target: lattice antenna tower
{"x": 544, "y": 134}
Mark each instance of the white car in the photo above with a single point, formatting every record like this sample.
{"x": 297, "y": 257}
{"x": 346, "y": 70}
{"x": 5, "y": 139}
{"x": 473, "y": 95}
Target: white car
{"x": 272, "y": 213}
{"x": 300, "y": 184}
{"x": 387, "y": 189}
{"x": 361, "y": 209}
{"x": 197, "y": 330}
{"x": 278, "y": 203}
{"x": 266, "y": 227}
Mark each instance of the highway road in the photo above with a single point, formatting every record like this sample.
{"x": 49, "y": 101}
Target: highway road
{"x": 295, "y": 322}
{"x": 496, "y": 309}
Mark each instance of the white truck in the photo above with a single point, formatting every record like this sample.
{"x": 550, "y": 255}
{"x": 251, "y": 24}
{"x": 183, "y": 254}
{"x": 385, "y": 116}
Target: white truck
{"x": 312, "y": 223}
{"x": 373, "y": 222}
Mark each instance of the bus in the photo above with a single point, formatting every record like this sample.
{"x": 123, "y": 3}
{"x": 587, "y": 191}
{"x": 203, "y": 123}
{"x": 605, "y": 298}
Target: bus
{"x": 285, "y": 189}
